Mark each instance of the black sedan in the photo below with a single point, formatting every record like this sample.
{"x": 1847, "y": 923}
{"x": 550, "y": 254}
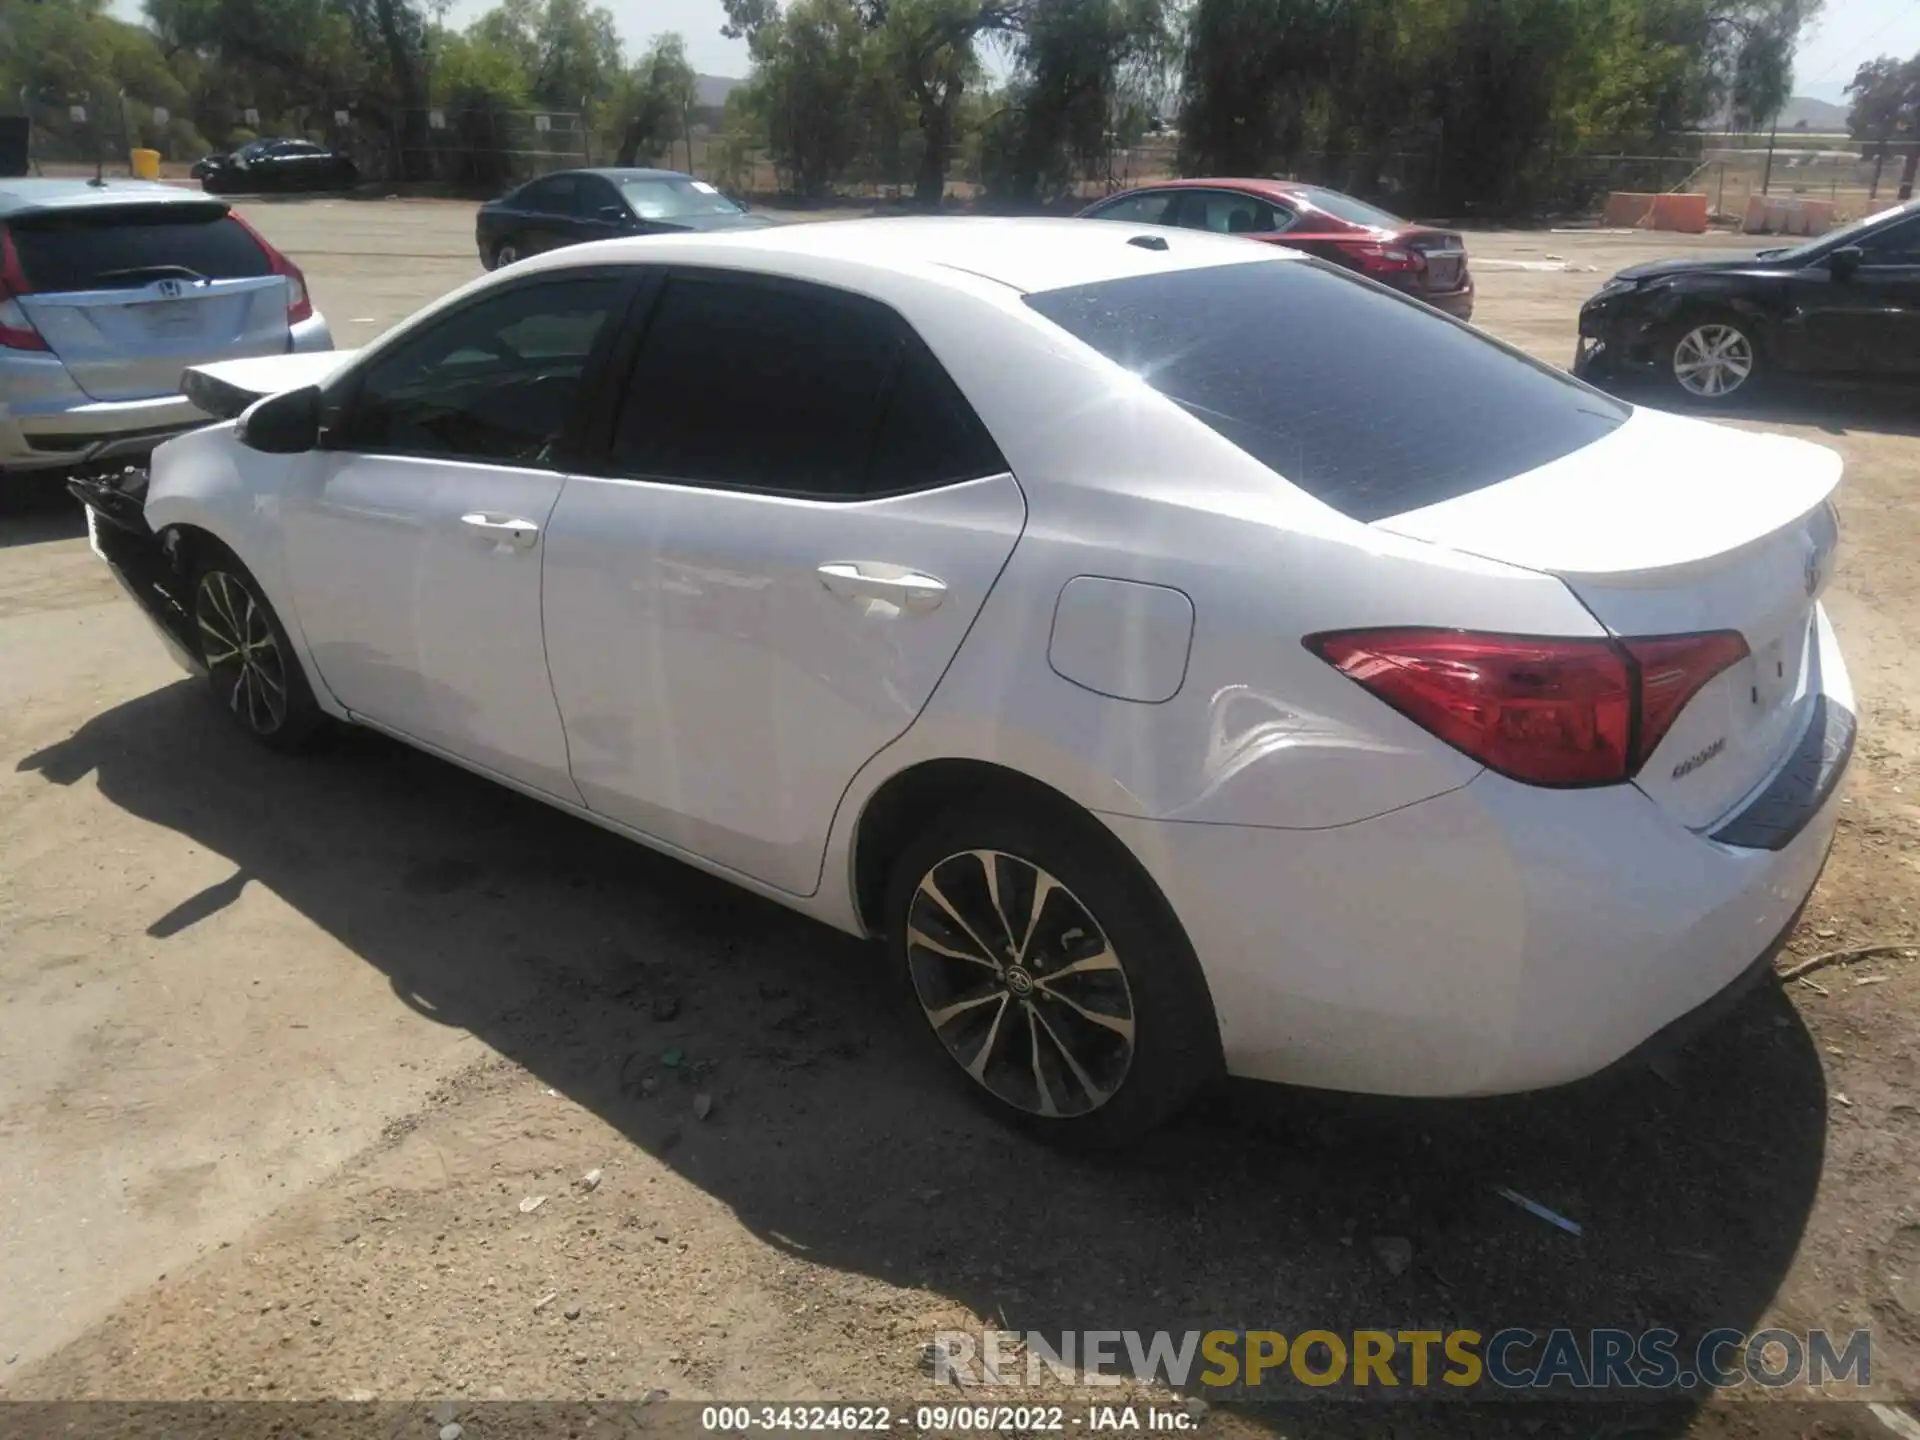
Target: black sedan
{"x": 277, "y": 165}
{"x": 1843, "y": 307}
{"x": 569, "y": 207}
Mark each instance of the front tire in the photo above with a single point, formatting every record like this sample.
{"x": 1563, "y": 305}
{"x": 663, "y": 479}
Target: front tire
{"x": 251, "y": 667}
{"x": 504, "y": 254}
{"x": 1712, "y": 359}
{"x": 1052, "y": 977}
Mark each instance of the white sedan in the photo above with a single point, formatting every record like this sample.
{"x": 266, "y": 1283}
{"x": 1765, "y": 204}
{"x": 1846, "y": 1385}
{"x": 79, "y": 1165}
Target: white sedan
{"x": 1186, "y": 657}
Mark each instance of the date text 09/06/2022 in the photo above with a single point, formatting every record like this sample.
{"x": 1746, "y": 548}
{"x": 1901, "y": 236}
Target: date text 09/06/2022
{"x": 1024, "y": 1419}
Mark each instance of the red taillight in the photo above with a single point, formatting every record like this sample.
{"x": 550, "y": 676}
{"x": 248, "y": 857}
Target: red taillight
{"x": 1672, "y": 670}
{"x": 1544, "y": 710}
{"x": 16, "y": 330}
{"x": 299, "y": 306}
{"x": 1381, "y": 258}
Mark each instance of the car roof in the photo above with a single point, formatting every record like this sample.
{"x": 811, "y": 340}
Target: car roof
{"x": 618, "y": 172}
{"x": 26, "y": 194}
{"x": 1026, "y": 255}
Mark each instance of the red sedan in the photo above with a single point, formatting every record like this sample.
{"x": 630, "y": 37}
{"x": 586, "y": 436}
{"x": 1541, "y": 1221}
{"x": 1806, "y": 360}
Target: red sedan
{"x": 1426, "y": 263}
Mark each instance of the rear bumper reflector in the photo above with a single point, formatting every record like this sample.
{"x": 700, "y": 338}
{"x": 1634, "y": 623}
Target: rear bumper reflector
{"x": 1804, "y": 784}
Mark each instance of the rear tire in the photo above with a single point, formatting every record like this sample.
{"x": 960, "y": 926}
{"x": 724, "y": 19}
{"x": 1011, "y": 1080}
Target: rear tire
{"x": 1711, "y": 359}
{"x": 252, "y": 670}
{"x": 1054, "y": 981}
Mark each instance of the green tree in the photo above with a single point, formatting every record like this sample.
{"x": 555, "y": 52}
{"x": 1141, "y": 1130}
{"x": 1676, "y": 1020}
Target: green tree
{"x": 1088, "y": 75}
{"x": 656, "y": 98}
{"x": 568, "y": 50}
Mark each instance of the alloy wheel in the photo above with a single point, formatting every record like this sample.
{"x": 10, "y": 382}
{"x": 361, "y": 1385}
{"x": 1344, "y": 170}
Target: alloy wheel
{"x": 242, "y": 654}
{"x": 505, "y": 256}
{"x": 1712, "y": 361}
{"x": 1020, "y": 983}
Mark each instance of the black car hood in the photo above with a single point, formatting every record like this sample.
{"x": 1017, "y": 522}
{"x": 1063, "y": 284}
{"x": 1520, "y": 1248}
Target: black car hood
{"x": 1720, "y": 261}
{"x": 718, "y": 222}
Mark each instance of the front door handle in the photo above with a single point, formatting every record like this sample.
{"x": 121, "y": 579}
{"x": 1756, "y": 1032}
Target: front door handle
{"x": 867, "y": 580}
{"x": 516, "y": 534}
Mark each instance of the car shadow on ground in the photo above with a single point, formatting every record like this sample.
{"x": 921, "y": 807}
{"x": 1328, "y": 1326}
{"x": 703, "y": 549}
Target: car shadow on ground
{"x": 36, "y": 508}
{"x": 584, "y": 958}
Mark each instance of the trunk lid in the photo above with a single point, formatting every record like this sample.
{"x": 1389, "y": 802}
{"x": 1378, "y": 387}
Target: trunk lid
{"x": 132, "y": 344}
{"x": 1672, "y": 526}
{"x": 1446, "y": 255}
{"x": 128, "y": 293}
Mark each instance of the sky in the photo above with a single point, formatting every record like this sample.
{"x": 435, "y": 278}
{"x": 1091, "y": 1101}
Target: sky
{"x": 1849, "y": 32}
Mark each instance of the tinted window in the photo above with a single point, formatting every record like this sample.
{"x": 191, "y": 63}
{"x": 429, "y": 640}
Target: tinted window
{"x": 1354, "y": 212}
{"x": 773, "y": 386}
{"x": 1147, "y": 209}
{"x": 1896, "y": 245}
{"x": 552, "y": 196}
{"x": 928, "y": 433}
{"x": 1370, "y": 402}
{"x": 496, "y": 381}
{"x": 104, "y": 248}
{"x": 1225, "y": 213}
{"x": 592, "y": 195}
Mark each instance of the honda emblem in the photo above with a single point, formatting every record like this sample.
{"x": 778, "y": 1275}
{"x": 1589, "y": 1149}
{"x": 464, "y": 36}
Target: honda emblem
{"x": 170, "y": 289}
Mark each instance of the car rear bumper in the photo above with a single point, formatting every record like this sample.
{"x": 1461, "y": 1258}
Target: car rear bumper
{"x": 1497, "y": 938}
{"x": 48, "y": 422}
{"x": 1457, "y": 303}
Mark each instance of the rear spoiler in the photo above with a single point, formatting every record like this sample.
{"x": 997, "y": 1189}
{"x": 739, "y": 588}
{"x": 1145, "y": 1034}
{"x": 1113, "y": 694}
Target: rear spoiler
{"x": 226, "y": 387}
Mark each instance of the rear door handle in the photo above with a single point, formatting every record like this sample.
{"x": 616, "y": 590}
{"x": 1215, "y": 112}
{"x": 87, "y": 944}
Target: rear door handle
{"x": 518, "y": 534}
{"x": 868, "y": 580}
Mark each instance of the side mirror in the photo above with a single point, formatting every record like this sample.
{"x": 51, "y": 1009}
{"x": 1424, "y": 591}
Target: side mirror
{"x": 285, "y": 424}
{"x": 616, "y": 215}
{"x": 1844, "y": 261}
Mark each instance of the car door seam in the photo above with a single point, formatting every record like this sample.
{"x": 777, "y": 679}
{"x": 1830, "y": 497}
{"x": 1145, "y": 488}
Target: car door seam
{"x": 986, "y": 596}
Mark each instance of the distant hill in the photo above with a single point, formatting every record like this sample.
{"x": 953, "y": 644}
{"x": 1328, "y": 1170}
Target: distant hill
{"x": 1803, "y": 112}
{"x": 714, "y": 89}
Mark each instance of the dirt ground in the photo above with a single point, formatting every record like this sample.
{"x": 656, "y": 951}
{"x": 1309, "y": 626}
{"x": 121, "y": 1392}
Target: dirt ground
{"x": 287, "y": 1048}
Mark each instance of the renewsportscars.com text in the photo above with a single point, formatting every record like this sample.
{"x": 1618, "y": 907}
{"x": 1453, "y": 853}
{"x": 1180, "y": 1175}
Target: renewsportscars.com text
{"x": 1255, "y": 1362}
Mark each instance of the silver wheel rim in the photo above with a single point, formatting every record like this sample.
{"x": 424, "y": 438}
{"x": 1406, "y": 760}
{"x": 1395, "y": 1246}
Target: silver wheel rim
{"x": 1712, "y": 360}
{"x": 236, "y": 640}
{"x": 505, "y": 255}
{"x": 1020, "y": 984}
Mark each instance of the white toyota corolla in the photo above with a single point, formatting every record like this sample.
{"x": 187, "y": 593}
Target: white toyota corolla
{"x": 1188, "y": 657}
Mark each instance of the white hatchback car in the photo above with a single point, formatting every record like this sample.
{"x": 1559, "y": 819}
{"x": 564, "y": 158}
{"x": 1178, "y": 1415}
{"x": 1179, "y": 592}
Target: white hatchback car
{"x": 1185, "y": 655}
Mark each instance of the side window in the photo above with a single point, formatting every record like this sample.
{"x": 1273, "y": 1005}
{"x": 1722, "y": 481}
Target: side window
{"x": 1225, "y": 213}
{"x": 591, "y": 195}
{"x": 928, "y": 433}
{"x": 1896, "y": 245}
{"x": 495, "y": 382}
{"x": 794, "y": 388}
{"x": 1148, "y": 209}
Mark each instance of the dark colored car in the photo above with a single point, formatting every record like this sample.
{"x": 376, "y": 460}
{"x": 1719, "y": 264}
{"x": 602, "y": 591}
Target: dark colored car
{"x": 263, "y": 165}
{"x": 570, "y": 207}
{"x": 1426, "y": 263}
{"x": 1843, "y": 307}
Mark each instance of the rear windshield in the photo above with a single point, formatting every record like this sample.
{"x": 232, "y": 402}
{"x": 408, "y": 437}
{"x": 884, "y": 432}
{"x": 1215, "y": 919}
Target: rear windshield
{"x": 107, "y": 248}
{"x": 1345, "y": 207}
{"x": 1368, "y": 401}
